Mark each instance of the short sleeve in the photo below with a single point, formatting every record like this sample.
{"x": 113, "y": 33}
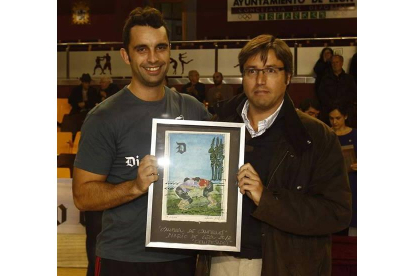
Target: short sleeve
{"x": 195, "y": 110}
{"x": 97, "y": 146}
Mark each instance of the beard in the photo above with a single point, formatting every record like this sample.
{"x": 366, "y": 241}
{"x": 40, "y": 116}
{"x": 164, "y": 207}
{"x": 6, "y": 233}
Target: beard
{"x": 152, "y": 83}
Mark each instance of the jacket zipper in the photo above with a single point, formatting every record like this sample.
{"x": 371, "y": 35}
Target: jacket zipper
{"x": 268, "y": 182}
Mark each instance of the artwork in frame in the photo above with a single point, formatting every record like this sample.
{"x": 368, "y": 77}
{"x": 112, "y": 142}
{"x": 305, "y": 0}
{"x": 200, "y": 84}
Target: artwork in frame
{"x": 196, "y": 203}
{"x": 195, "y": 182}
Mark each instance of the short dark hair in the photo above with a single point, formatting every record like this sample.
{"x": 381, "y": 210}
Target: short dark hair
{"x": 142, "y": 17}
{"x": 261, "y": 45}
{"x": 342, "y": 108}
{"x": 323, "y": 51}
{"x": 307, "y": 103}
{"x": 221, "y": 75}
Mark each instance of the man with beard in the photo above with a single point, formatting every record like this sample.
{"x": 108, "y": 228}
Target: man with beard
{"x": 218, "y": 92}
{"x": 113, "y": 168}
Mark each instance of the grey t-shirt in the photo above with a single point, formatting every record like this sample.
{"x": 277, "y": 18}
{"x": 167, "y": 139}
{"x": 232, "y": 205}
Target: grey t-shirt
{"x": 116, "y": 134}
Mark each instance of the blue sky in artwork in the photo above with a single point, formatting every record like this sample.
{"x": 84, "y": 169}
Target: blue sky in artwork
{"x": 196, "y": 160}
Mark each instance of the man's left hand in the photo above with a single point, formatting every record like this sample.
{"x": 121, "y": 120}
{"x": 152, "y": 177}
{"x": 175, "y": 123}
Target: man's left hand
{"x": 250, "y": 183}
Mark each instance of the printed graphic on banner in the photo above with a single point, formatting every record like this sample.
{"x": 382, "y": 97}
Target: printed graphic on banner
{"x": 69, "y": 218}
{"x": 195, "y": 182}
{"x": 110, "y": 63}
{"x": 94, "y": 63}
{"x": 183, "y": 61}
{"x": 107, "y": 64}
{"x": 259, "y": 10}
{"x": 182, "y": 58}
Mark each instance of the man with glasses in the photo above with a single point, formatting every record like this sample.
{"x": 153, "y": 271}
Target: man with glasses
{"x": 294, "y": 183}
{"x": 113, "y": 168}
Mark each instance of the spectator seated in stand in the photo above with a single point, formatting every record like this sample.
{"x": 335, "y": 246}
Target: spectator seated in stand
{"x": 338, "y": 116}
{"x": 310, "y": 107}
{"x": 108, "y": 88}
{"x": 218, "y": 92}
{"x": 337, "y": 87}
{"x": 194, "y": 87}
{"x": 83, "y": 97}
{"x": 322, "y": 66}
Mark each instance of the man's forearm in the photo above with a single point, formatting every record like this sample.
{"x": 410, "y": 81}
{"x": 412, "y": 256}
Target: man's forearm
{"x": 99, "y": 195}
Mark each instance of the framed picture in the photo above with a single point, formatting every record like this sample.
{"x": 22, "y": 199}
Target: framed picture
{"x": 196, "y": 203}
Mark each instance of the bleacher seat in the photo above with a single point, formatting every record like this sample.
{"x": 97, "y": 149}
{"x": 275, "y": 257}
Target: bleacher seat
{"x": 63, "y": 173}
{"x": 63, "y": 107}
{"x": 64, "y": 142}
{"x": 76, "y": 143}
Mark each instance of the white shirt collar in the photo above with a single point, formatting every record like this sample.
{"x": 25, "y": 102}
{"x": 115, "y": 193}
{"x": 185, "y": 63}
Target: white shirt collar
{"x": 262, "y": 125}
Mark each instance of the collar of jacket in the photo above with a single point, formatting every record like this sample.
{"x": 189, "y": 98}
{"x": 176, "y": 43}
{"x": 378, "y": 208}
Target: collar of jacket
{"x": 296, "y": 132}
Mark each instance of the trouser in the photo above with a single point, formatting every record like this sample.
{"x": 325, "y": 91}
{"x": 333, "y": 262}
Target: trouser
{"x": 93, "y": 225}
{"x": 182, "y": 267}
{"x": 231, "y": 266}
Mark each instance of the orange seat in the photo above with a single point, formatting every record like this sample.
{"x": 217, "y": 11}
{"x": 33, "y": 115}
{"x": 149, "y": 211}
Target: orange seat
{"x": 76, "y": 142}
{"x": 63, "y": 107}
{"x": 63, "y": 173}
{"x": 64, "y": 142}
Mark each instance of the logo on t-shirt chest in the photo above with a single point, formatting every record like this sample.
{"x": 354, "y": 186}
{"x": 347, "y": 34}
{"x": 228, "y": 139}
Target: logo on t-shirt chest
{"x": 132, "y": 161}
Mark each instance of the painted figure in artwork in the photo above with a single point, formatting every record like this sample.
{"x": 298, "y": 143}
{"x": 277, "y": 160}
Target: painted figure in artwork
{"x": 193, "y": 184}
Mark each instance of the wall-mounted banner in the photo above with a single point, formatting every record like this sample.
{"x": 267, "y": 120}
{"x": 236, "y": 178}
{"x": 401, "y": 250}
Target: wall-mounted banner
{"x": 69, "y": 218}
{"x": 262, "y": 10}
{"x": 228, "y": 62}
{"x": 97, "y": 63}
{"x": 182, "y": 61}
{"x": 110, "y": 63}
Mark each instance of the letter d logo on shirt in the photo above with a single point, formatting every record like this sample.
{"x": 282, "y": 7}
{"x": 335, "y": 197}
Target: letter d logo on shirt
{"x": 132, "y": 161}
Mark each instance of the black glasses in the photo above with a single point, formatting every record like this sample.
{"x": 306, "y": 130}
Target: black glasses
{"x": 268, "y": 71}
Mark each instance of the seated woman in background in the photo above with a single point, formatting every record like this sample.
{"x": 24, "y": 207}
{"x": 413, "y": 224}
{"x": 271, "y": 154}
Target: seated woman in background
{"x": 323, "y": 65}
{"x": 347, "y": 137}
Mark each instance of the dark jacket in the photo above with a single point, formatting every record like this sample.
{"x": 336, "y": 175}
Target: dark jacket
{"x": 340, "y": 89}
{"x": 321, "y": 68}
{"x": 307, "y": 195}
{"x": 201, "y": 90}
{"x": 76, "y": 97}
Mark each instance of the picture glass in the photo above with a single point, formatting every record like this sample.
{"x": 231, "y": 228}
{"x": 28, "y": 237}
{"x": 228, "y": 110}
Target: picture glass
{"x": 195, "y": 182}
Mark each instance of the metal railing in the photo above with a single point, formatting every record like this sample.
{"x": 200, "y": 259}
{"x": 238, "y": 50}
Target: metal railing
{"x": 216, "y": 43}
